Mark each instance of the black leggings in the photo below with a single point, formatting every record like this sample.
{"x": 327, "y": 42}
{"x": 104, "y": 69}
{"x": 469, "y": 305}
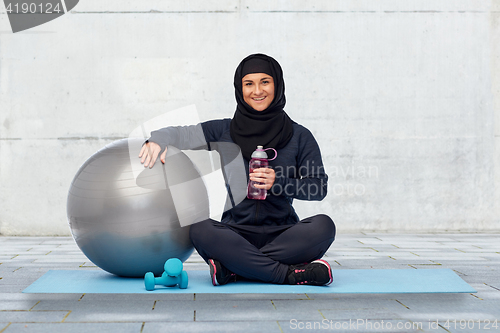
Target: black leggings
{"x": 263, "y": 252}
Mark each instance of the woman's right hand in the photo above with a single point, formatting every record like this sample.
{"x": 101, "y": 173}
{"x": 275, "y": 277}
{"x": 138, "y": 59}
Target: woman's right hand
{"x": 149, "y": 154}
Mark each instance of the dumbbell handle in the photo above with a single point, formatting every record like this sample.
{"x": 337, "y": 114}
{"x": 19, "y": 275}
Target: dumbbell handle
{"x": 150, "y": 281}
{"x": 167, "y": 280}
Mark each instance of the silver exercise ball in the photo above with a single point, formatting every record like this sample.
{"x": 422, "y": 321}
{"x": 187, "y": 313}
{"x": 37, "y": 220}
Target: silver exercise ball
{"x": 123, "y": 216}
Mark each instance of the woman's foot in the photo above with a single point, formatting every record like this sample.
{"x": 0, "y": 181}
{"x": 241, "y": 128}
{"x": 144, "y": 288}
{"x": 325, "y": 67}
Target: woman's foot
{"x": 316, "y": 273}
{"x": 220, "y": 275}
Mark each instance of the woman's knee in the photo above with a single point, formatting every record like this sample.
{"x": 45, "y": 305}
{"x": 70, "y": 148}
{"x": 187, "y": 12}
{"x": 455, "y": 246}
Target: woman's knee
{"x": 199, "y": 231}
{"x": 326, "y": 224}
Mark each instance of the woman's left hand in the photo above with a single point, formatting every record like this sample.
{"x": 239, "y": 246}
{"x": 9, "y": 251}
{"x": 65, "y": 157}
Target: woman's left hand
{"x": 264, "y": 176}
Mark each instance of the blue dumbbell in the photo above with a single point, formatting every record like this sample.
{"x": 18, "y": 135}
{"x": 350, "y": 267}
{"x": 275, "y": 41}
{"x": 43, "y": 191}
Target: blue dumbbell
{"x": 173, "y": 275}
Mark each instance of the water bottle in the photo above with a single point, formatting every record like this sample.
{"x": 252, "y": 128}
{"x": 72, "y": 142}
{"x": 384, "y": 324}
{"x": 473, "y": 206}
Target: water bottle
{"x": 259, "y": 160}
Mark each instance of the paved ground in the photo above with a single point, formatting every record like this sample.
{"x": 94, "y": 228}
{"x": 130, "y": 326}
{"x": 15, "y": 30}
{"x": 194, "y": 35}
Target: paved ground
{"x": 474, "y": 257}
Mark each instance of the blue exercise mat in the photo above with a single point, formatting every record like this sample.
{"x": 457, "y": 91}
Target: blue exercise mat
{"x": 357, "y": 281}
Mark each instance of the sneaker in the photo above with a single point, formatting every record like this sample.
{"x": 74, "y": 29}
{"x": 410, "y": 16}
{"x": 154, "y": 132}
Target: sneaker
{"x": 220, "y": 275}
{"x": 316, "y": 273}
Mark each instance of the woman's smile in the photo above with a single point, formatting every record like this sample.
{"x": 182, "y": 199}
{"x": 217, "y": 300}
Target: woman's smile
{"x": 258, "y": 90}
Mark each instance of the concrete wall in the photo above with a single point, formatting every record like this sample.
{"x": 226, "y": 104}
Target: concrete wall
{"x": 402, "y": 96}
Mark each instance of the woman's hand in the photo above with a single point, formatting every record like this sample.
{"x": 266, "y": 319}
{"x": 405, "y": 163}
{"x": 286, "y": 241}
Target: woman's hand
{"x": 149, "y": 154}
{"x": 264, "y": 176}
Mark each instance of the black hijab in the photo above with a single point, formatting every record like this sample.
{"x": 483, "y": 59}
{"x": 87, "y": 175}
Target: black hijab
{"x": 271, "y": 128}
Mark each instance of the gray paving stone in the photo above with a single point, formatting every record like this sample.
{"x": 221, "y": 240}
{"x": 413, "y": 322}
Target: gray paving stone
{"x": 88, "y": 264}
{"x": 32, "y": 316}
{"x": 137, "y": 311}
{"x": 74, "y": 327}
{"x": 89, "y": 306}
{"x": 78, "y": 261}
{"x": 17, "y": 262}
{"x": 485, "y": 292}
{"x": 22, "y": 281}
{"x": 62, "y": 252}
{"x": 242, "y": 310}
{"x": 356, "y": 250}
{"x": 487, "y": 277}
{"x": 57, "y": 255}
{"x": 361, "y": 313}
{"x": 339, "y": 303}
{"x": 58, "y": 240}
{"x": 23, "y": 273}
{"x": 357, "y": 257}
{"x": 9, "y": 288}
{"x": 214, "y": 327}
{"x": 130, "y": 298}
{"x": 16, "y": 305}
{"x": 470, "y": 308}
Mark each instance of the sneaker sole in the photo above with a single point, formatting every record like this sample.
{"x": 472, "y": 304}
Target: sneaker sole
{"x": 324, "y": 262}
{"x": 213, "y": 271}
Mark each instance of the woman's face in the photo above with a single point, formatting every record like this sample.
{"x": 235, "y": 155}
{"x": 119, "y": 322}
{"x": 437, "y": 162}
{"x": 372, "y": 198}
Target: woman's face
{"x": 258, "y": 90}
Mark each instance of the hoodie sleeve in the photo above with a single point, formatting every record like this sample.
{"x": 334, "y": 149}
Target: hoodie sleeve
{"x": 190, "y": 137}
